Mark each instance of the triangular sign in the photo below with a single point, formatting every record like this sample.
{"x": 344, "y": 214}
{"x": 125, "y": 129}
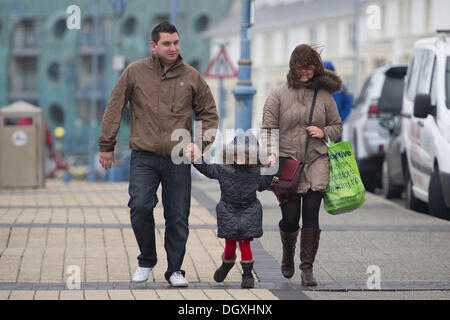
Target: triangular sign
{"x": 221, "y": 66}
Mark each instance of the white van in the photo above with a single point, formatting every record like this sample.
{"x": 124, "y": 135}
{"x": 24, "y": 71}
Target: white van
{"x": 426, "y": 126}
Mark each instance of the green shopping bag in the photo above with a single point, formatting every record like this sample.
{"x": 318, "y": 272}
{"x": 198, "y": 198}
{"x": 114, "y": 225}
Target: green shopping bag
{"x": 345, "y": 191}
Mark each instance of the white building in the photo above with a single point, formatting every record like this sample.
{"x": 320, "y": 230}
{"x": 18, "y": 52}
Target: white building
{"x": 387, "y": 30}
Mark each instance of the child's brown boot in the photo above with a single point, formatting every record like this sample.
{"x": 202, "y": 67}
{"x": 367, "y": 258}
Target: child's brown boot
{"x": 223, "y": 270}
{"x": 247, "y": 277}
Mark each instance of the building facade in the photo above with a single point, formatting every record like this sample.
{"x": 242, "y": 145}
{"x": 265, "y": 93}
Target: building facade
{"x": 385, "y": 33}
{"x": 44, "y": 62}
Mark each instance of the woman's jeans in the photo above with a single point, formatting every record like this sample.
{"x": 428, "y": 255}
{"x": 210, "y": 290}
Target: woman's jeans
{"x": 147, "y": 171}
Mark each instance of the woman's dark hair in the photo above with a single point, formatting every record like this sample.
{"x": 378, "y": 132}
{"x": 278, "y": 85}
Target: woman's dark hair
{"x": 304, "y": 55}
{"x": 162, "y": 27}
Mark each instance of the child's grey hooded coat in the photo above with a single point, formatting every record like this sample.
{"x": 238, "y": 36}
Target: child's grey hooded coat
{"x": 239, "y": 212}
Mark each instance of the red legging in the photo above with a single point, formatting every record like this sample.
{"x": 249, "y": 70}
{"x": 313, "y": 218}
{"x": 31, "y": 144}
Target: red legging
{"x": 244, "y": 245}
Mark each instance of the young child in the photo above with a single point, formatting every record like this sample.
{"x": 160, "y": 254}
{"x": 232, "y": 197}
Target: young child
{"x": 239, "y": 212}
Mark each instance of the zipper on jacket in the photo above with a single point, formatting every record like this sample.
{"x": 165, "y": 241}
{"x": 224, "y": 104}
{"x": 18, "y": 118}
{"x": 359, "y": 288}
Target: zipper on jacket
{"x": 173, "y": 98}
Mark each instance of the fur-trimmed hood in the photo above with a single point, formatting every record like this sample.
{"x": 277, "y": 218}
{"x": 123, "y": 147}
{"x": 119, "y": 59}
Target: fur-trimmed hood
{"x": 305, "y": 55}
{"x": 329, "y": 81}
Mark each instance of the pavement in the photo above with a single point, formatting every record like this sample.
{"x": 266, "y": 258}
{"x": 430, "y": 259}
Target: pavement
{"x": 74, "y": 242}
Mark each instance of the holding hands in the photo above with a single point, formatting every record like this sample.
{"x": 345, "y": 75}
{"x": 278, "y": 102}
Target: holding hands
{"x": 192, "y": 152}
{"x": 272, "y": 159}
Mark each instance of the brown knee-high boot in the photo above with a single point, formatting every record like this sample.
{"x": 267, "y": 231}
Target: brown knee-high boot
{"x": 309, "y": 244}
{"x": 289, "y": 241}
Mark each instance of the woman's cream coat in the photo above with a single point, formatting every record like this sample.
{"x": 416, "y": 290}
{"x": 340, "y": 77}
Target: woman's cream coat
{"x": 288, "y": 109}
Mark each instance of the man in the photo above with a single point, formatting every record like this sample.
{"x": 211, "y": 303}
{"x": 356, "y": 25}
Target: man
{"x": 163, "y": 92}
{"x": 343, "y": 99}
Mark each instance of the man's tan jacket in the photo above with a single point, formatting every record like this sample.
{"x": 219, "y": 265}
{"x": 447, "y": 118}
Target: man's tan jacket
{"x": 160, "y": 102}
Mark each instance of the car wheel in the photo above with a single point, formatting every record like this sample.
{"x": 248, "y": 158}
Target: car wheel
{"x": 369, "y": 169}
{"x": 368, "y": 181}
{"x": 436, "y": 201}
{"x": 411, "y": 202}
{"x": 389, "y": 191}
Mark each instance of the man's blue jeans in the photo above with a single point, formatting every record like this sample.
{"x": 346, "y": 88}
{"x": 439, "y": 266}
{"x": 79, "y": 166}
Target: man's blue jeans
{"x": 148, "y": 170}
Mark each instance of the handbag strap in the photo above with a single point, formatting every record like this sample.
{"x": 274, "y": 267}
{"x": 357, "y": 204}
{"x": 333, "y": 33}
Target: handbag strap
{"x": 283, "y": 161}
{"x": 310, "y": 121}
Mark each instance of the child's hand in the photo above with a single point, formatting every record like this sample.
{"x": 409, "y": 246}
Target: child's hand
{"x": 272, "y": 160}
{"x": 192, "y": 152}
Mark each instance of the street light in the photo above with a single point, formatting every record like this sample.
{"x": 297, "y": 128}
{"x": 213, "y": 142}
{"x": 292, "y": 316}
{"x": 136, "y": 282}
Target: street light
{"x": 94, "y": 94}
{"x": 356, "y": 9}
{"x": 174, "y": 12}
{"x": 244, "y": 91}
{"x": 119, "y": 60}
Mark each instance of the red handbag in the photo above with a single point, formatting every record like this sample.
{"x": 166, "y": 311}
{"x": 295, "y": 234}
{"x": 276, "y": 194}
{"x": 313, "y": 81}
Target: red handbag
{"x": 290, "y": 170}
{"x": 289, "y": 179}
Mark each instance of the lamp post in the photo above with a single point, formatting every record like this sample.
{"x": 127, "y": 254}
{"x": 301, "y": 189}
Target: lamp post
{"x": 69, "y": 78}
{"x": 174, "y": 12}
{"x": 244, "y": 91}
{"x": 118, "y": 7}
{"x": 356, "y": 8}
{"x": 94, "y": 94}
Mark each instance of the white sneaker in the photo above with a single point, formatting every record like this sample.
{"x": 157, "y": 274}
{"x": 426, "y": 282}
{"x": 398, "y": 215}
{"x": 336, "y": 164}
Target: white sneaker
{"x": 141, "y": 274}
{"x": 178, "y": 280}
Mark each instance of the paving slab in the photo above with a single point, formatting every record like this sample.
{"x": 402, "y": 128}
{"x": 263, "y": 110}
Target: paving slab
{"x": 52, "y": 236}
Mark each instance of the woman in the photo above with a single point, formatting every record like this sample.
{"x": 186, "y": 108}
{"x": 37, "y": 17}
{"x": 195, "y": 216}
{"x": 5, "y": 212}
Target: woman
{"x": 287, "y": 109}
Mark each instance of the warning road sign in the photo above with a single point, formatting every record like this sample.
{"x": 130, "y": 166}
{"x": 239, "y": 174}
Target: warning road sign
{"x": 221, "y": 67}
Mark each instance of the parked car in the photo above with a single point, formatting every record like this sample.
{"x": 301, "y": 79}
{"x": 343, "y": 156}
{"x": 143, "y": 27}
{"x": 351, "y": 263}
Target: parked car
{"x": 425, "y": 127}
{"x": 392, "y": 177}
{"x": 380, "y": 97}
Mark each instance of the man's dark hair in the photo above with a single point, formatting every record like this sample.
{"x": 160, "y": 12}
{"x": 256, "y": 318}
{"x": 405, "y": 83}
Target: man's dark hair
{"x": 162, "y": 27}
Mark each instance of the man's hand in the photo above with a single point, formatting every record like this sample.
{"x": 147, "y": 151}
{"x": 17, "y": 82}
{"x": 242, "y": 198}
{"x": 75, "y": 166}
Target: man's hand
{"x": 315, "y": 132}
{"x": 192, "y": 152}
{"x": 106, "y": 159}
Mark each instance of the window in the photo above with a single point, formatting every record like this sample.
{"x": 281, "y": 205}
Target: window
{"x": 57, "y": 114}
{"x": 23, "y": 71}
{"x": 363, "y": 95}
{"x": 351, "y": 35}
{"x": 126, "y": 116}
{"x": 433, "y": 89}
{"x": 426, "y": 72}
{"x": 313, "y": 36}
{"x": 447, "y": 83}
{"x": 60, "y": 28}
{"x": 26, "y": 33}
{"x": 129, "y": 26}
{"x": 53, "y": 71}
{"x": 84, "y": 110}
{"x": 160, "y": 18}
{"x": 202, "y": 23}
{"x": 195, "y": 63}
{"x": 413, "y": 75}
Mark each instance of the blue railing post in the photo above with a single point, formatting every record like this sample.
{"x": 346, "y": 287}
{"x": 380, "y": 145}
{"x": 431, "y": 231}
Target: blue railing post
{"x": 174, "y": 12}
{"x": 244, "y": 91}
{"x": 94, "y": 95}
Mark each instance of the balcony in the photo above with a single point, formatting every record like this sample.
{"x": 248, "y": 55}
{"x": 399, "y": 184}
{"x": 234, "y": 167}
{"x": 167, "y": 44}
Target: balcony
{"x": 87, "y": 43}
{"x": 25, "y": 44}
{"x": 26, "y": 38}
